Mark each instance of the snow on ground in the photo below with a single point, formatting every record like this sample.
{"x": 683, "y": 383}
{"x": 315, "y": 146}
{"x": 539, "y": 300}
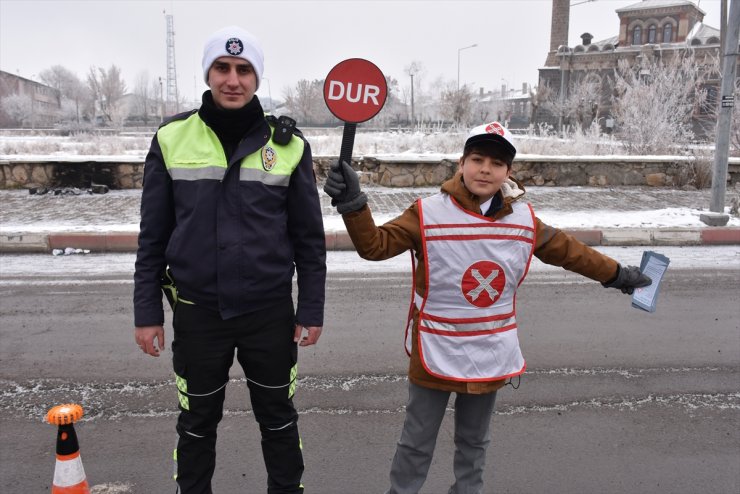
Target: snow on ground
{"x": 660, "y": 218}
{"x": 599, "y": 219}
{"x": 16, "y": 268}
{"x": 55, "y": 226}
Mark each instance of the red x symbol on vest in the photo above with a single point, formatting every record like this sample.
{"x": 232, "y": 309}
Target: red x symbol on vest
{"x": 482, "y": 283}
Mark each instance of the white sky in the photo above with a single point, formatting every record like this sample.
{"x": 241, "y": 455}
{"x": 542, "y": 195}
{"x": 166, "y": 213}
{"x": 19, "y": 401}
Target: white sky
{"x": 301, "y": 39}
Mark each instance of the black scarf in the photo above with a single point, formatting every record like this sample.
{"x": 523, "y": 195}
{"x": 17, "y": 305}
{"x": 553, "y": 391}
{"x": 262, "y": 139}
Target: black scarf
{"x": 231, "y": 125}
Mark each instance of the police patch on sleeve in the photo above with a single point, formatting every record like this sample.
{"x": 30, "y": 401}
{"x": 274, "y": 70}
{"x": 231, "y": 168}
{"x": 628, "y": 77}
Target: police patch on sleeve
{"x": 269, "y": 158}
{"x": 234, "y": 46}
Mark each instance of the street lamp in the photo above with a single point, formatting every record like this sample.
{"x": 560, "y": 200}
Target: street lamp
{"x": 458, "y": 62}
{"x": 412, "y": 70}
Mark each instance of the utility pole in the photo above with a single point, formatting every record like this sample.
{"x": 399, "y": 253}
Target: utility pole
{"x": 722, "y": 27}
{"x": 161, "y": 101}
{"x": 717, "y": 216}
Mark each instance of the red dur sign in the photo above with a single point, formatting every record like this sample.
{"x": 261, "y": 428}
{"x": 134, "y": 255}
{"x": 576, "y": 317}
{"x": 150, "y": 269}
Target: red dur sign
{"x": 355, "y": 90}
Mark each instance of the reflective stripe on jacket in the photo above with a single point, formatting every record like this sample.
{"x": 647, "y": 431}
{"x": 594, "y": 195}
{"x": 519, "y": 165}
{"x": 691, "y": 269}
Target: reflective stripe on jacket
{"x": 467, "y": 319}
{"x": 192, "y": 151}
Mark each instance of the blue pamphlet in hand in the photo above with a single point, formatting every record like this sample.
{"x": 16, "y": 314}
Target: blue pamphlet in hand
{"x": 655, "y": 266}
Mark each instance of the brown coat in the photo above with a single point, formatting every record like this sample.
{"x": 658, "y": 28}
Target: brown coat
{"x": 403, "y": 233}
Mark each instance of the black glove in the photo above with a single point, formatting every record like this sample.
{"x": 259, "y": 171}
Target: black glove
{"x": 628, "y": 279}
{"x": 343, "y": 186}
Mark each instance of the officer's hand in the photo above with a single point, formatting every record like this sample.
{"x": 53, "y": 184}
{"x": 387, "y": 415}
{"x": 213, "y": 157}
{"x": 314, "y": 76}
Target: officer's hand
{"x": 314, "y": 332}
{"x": 628, "y": 278}
{"x": 145, "y": 336}
{"x": 343, "y": 186}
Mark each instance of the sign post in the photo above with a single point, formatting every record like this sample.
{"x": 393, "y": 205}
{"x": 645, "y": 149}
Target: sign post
{"x": 716, "y": 215}
{"x": 354, "y": 91}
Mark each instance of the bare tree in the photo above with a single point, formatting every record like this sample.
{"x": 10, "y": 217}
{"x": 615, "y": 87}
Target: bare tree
{"x": 456, "y": 104}
{"x": 654, "y": 103}
{"x": 142, "y": 101}
{"x": 107, "y": 88}
{"x": 305, "y": 102}
{"x": 94, "y": 86}
{"x": 538, "y": 99}
{"x": 68, "y": 84}
{"x": 394, "y": 110}
{"x": 69, "y": 112}
{"x": 584, "y": 102}
{"x": 156, "y": 91}
{"x": 578, "y": 107}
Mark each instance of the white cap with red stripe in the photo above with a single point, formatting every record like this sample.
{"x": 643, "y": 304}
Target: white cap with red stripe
{"x": 492, "y": 132}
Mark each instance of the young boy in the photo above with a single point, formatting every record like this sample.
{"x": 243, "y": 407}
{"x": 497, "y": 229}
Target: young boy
{"x": 472, "y": 243}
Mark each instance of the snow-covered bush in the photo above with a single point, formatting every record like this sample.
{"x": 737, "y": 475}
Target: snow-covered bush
{"x": 578, "y": 141}
{"x": 19, "y": 107}
{"x": 655, "y": 101}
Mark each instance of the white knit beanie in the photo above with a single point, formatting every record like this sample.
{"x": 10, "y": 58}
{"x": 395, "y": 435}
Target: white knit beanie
{"x": 233, "y": 41}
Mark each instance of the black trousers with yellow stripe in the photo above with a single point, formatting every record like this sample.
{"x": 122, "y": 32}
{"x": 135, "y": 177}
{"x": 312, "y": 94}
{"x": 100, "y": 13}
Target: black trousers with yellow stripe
{"x": 203, "y": 351}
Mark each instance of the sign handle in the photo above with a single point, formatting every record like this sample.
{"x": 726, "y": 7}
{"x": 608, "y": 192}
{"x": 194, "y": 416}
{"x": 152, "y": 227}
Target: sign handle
{"x": 348, "y": 142}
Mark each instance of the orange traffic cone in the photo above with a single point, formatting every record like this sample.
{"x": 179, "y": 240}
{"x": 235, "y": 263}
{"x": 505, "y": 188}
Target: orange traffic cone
{"x": 69, "y": 475}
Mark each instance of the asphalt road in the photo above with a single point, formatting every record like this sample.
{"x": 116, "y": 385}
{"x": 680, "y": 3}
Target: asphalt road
{"x": 615, "y": 400}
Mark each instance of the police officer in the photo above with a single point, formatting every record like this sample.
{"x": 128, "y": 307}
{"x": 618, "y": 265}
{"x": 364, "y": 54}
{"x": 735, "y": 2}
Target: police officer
{"x": 229, "y": 211}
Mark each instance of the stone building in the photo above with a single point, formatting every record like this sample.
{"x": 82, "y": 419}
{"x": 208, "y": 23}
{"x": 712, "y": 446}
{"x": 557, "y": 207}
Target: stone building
{"x": 45, "y": 102}
{"x": 646, "y": 30}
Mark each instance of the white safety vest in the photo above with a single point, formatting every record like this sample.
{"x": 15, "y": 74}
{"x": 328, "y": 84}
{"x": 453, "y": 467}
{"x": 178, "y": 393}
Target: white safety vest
{"x": 467, "y": 317}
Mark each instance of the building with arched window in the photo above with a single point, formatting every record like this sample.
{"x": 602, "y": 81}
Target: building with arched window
{"x": 646, "y": 30}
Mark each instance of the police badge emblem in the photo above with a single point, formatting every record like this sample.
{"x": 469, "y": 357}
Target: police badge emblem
{"x": 269, "y": 158}
{"x": 234, "y": 46}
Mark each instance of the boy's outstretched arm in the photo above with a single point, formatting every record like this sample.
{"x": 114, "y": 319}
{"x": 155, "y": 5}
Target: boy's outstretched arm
{"x": 560, "y": 249}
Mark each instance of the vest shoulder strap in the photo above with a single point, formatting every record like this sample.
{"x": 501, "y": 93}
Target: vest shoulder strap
{"x": 180, "y": 116}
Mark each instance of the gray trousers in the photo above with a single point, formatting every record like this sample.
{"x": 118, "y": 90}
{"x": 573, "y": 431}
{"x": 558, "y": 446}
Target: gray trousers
{"x": 424, "y": 414}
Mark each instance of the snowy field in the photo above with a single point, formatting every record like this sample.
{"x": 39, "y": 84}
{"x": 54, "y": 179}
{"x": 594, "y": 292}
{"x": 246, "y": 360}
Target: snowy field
{"x": 324, "y": 142}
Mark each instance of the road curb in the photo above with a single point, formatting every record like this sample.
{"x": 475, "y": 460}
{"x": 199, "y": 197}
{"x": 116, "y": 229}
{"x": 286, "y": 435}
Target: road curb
{"x": 95, "y": 242}
{"x": 24, "y": 243}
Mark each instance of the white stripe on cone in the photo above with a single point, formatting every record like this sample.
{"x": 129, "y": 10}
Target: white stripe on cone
{"x": 68, "y": 473}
